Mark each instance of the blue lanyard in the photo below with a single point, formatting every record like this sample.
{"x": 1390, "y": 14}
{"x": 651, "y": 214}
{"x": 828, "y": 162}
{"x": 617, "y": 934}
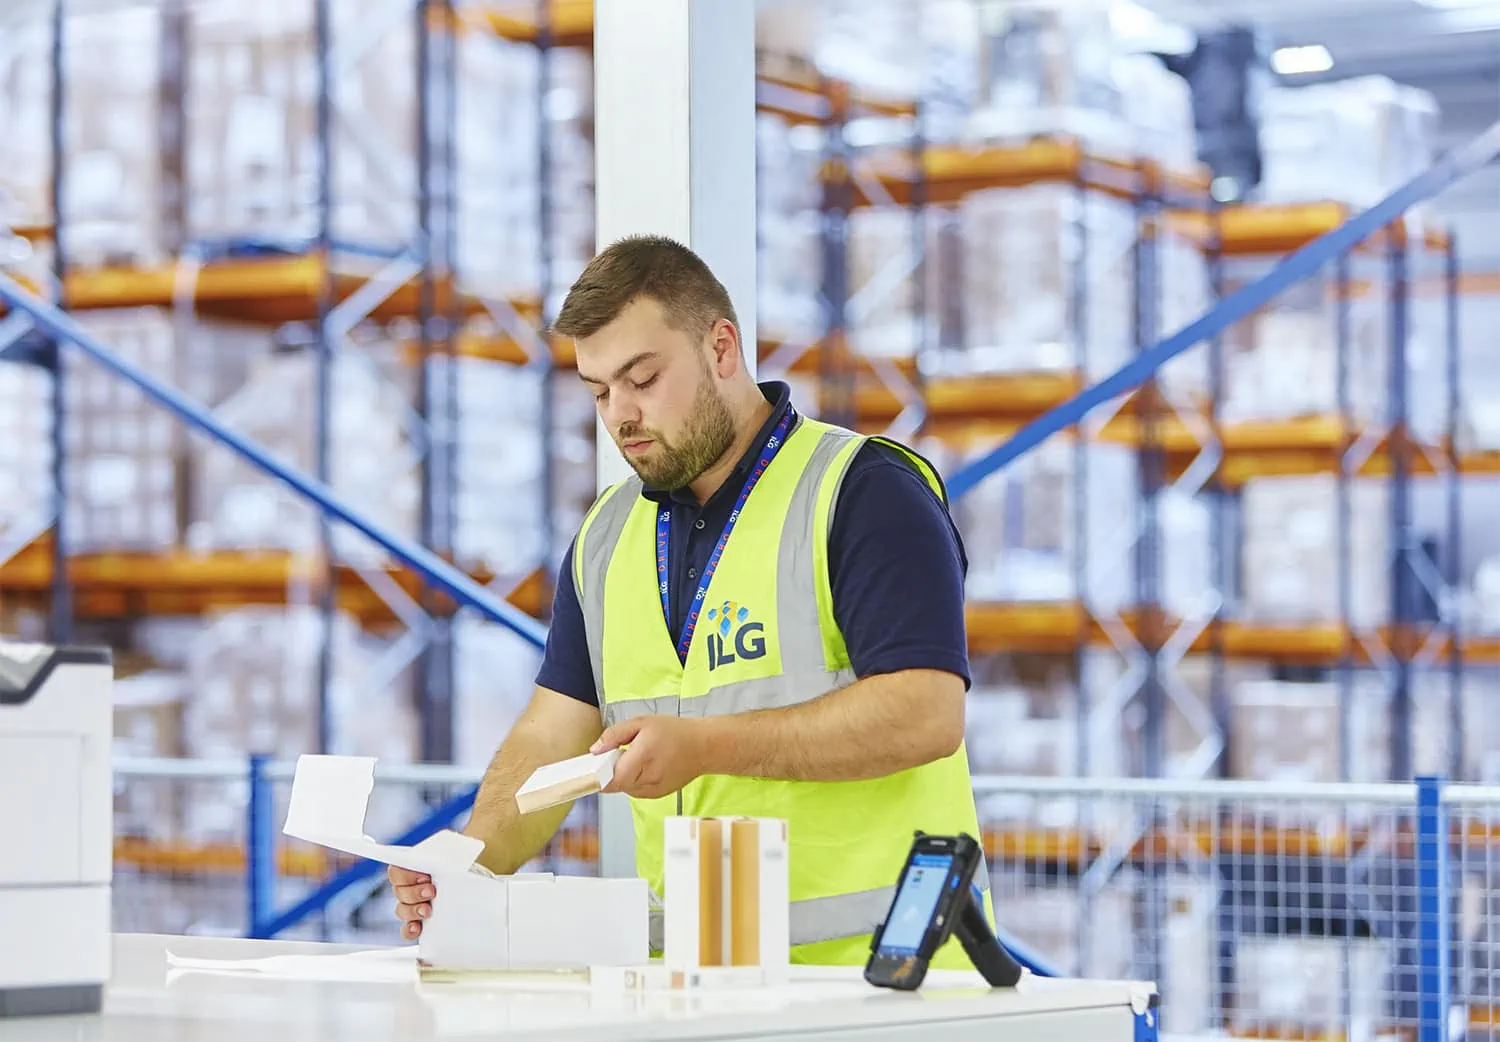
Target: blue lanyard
{"x": 664, "y": 536}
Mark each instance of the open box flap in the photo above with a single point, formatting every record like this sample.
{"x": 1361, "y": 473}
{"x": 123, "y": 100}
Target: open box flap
{"x": 330, "y": 797}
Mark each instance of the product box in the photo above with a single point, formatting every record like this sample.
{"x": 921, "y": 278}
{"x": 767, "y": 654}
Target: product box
{"x": 566, "y": 780}
{"x": 479, "y": 922}
{"x": 727, "y": 894}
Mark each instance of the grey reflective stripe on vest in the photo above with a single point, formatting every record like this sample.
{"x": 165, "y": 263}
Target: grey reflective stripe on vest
{"x": 851, "y": 915}
{"x": 832, "y": 918}
{"x": 804, "y": 674}
{"x": 742, "y": 697}
{"x": 596, "y": 548}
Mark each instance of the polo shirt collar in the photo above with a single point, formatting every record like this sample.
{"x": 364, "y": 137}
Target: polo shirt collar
{"x": 779, "y": 394}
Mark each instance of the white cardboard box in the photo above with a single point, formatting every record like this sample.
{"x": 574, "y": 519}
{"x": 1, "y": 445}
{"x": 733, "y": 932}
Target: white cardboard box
{"x": 727, "y": 894}
{"x": 479, "y": 921}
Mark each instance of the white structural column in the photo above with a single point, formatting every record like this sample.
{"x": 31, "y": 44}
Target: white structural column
{"x": 674, "y": 153}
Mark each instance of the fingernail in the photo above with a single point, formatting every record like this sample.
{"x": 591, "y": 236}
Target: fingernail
{"x": 427, "y": 893}
{"x": 422, "y": 912}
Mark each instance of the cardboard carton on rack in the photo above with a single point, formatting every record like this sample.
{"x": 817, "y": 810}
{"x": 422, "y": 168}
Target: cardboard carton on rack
{"x": 480, "y": 921}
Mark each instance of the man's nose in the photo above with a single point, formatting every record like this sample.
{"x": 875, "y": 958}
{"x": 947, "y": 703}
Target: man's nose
{"x": 620, "y": 409}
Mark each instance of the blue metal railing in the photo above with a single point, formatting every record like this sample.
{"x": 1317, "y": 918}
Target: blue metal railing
{"x": 445, "y": 577}
{"x": 1433, "y": 912}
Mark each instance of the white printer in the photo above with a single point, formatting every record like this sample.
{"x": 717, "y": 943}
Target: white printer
{"x": 56, "y": 828}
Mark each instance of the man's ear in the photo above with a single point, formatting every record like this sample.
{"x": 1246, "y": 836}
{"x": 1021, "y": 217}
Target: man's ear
{"x": 726, "y": 347}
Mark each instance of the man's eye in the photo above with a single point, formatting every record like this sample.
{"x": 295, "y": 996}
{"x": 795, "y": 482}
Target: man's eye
{"x": 599, "y": 396}
{"x": 643, "y": 384}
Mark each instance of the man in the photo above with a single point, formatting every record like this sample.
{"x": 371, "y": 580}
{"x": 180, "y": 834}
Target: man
{"x": 814, "y": 667}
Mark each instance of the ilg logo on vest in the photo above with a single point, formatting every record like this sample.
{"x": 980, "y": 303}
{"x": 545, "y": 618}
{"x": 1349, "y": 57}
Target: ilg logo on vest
{"x": 733, "y": 637}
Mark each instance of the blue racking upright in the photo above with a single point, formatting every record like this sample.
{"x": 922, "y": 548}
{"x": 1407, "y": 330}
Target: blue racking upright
{"x": 437, "y": 333}
{"x": 60, "y": 620}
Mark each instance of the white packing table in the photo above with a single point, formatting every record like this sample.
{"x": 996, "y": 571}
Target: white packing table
{"x": 376, "y": 998}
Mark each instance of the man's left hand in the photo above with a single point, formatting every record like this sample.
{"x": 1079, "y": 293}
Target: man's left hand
{"x": 663, "y": 754}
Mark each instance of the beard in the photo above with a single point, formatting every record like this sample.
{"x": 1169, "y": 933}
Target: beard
{"x": 672, "y": 465}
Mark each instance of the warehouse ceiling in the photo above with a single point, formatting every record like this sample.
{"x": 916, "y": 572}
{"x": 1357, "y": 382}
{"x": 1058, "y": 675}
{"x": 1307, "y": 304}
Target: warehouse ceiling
{"x": 1448, "y": 47}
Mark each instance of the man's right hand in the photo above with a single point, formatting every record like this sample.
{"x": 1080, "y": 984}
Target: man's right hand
{"x": 414, "y": 894}
{"x": 554, "y": 727}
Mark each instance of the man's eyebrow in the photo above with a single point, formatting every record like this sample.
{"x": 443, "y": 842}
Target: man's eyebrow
{"x": 625, "y": 367}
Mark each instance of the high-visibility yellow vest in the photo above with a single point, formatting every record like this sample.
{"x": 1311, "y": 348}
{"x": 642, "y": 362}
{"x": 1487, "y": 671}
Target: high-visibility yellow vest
{"x": 767, "y": 638}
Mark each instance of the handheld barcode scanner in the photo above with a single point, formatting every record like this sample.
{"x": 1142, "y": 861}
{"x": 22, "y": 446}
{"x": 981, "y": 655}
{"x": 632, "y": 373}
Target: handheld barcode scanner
{"x": 936, "y": 899}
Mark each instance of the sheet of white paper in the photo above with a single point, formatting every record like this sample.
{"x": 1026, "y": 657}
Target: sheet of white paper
{"x": 381, "y": 965}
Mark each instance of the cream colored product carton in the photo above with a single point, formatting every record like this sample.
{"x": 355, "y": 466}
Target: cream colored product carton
{"x": 566, "y": 780}
{"x": 727, "y": 894}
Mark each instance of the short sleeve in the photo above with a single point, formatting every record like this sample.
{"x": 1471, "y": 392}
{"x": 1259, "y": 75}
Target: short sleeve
{"x": 897, "y": 568}
{"x": 565, "y": 662}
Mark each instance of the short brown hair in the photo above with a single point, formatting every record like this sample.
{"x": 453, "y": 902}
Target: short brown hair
{"x": 653, "y": 266}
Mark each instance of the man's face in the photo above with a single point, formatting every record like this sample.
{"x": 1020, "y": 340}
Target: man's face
{"x": 657, "y": 392}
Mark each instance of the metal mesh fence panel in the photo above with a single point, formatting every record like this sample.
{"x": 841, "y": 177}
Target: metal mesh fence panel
{"x": 1261, "y": 910}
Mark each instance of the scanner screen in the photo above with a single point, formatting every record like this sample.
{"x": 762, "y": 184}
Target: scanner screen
{"x": 915, "y": 904}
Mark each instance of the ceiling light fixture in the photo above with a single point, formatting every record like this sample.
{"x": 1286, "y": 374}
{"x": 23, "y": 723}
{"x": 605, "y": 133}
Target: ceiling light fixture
{"x": 1299, "y": 61}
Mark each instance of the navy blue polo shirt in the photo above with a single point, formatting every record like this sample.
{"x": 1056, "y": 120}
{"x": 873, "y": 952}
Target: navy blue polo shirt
{"x": 895, "y": 559}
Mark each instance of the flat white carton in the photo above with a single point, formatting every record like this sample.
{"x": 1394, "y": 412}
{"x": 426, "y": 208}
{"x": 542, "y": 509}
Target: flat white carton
{"x": 727, "y": 894}
{"x": 480, "y": 921}
{"x": 566, "y": 780}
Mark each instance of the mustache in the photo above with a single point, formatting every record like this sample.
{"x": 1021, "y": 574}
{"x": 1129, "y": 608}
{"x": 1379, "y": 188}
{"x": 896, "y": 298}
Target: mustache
{"x": 631, "y": 432}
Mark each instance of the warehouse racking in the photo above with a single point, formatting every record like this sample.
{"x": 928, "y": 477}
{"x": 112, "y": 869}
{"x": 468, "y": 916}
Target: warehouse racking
{"x": 1177, "y": 438}
{"x": 313, "y": 294}
{"x": 329, "y": 287}
{"x": 1189, "y": 448}
{"x": 972, "y": 406}
{"x": 1186, "y": 446}
{"x": 1259, "y": 864}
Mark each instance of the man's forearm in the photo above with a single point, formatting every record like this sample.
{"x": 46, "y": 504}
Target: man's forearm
{"x": 552, "y": 728}
{"x": 872, "y": 728}
{"x": 511, "y": 838}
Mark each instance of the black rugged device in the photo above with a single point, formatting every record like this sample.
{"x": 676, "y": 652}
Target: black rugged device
{"x": 936, "y": 898}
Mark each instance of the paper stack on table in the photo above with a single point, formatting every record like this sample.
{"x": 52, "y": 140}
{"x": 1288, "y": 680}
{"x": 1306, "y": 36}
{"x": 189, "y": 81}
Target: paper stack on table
{"x": 379, "y": 965}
